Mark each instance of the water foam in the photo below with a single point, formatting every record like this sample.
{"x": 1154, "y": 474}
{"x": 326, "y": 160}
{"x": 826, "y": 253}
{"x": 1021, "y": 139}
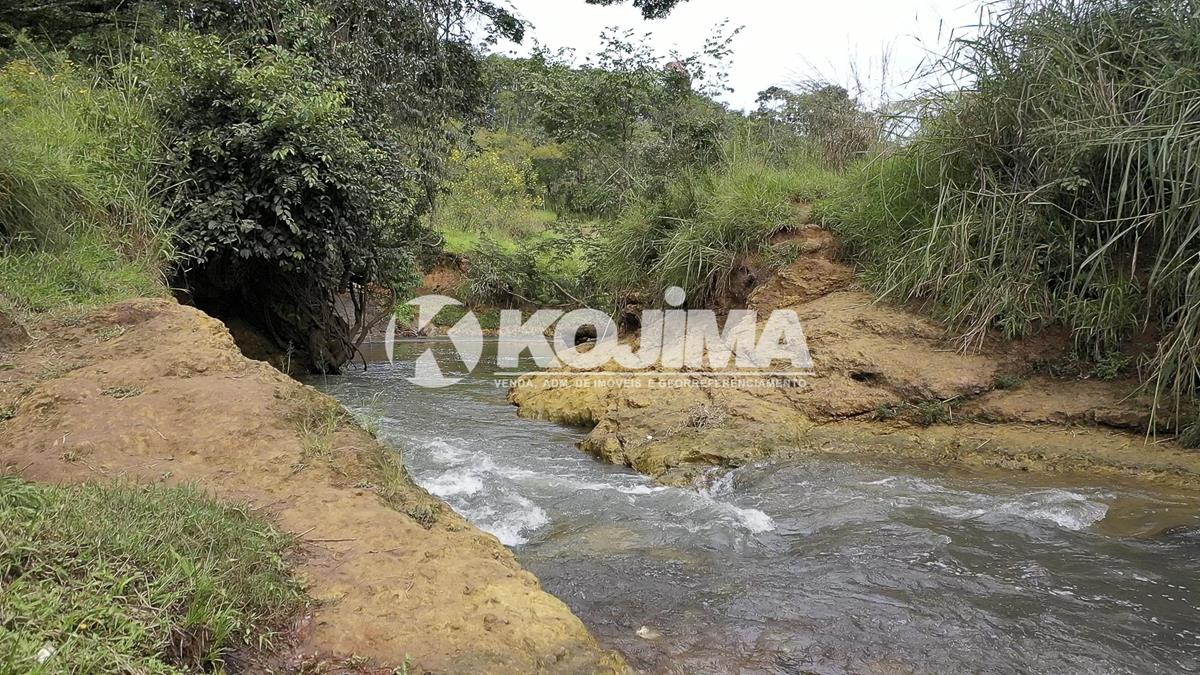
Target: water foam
{"x": 518, "y": 516}
{"x": 455, "y": 483}
{"x": 751, "y": 519}
{"x": 1068, "y": 510}
{"x": 473, "y": 484}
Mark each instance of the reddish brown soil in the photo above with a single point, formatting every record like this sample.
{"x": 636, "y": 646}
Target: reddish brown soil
{"x": 12, "y": 335}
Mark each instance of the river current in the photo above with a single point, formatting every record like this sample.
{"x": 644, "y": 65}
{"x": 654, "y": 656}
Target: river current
{"x": 812, "y": 565}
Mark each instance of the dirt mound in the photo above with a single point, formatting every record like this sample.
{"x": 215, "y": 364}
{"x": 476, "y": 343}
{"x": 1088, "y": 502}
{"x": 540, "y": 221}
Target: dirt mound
{"x": 879, "y": 371}
{"x": 152, "y": 391}
{"x": 445, "y": 279}
{"x": 12, "y": 334}
{"x": 814, "y": 272}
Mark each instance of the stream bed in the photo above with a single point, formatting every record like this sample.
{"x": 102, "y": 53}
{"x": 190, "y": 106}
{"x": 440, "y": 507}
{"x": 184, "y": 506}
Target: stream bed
{"x": 821, "y": 565}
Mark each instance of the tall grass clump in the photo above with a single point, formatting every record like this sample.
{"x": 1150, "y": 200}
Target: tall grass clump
{"x": 1058, "y": 188}
{"x": 706, "y": 223}
{"x": 136, "y": 579}
{"x": 77, "y": 171}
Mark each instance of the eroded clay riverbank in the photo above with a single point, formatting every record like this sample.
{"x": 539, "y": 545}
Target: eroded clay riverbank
{"x": 886, "y": 381}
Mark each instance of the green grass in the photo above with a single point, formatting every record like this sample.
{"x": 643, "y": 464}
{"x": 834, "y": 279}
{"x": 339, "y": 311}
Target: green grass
{"x": 122, "y": 392}
{"x": 489, "y": 319}
{"x": 90, "y": 273}
{"x": 79, "y": 225}
{"x": 923, "y": 413}
{"x": 79, "y": 156}
{"x": 467, "y": 240}
{"x": 393, "y": 483}
{"x": 1050, "y": 192}
{"x": 138, "y": 579}
{"x": 695, "y": 234}
{"x": 464, "y": 242}
{"x": 1007, "y": 382}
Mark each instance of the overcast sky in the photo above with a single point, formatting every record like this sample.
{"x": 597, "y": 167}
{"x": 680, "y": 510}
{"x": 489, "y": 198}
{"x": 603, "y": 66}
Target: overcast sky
{"x": 783, "y": 40}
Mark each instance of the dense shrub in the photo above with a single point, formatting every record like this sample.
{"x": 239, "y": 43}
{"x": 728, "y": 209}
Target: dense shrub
{"x": 1058, "y": 189}
{"x": 543, "y": 270}
{"x": 487, "y": 192}
{"x": 279, "y": 204}
{"x": 621, "y": 124}
{"x": 301, "y": 153}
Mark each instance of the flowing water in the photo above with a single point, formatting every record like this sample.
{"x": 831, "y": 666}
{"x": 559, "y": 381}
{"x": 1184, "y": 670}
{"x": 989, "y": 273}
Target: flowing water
{"x": 822, "y": 565}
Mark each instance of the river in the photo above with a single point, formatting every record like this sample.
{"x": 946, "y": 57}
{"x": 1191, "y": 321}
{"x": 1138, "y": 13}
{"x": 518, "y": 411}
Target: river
{"x": 821, "y": 565}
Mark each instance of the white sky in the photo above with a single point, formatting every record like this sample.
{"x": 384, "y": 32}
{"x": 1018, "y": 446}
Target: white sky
{"x": 783, "y": 41}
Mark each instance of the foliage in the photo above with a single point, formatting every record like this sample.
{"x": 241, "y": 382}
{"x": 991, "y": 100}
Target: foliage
{"x": 1050, "y": 192}
{"x": 485, "y": 192}
{"x": 135, "y": 579}
{"x": 827, "y": 117}
{"x": 302, "y": 154}
{"x": 589, "y": 140}
{"x": 78, "y": 159}
{"x": 696, "y": 233}
{"x": 616, "y": 126}
{"x": 651, "y": 9}
{"x": 545, "y": 270}
{"x": 279, "y": 203}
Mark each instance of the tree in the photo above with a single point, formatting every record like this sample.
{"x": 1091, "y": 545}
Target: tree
{"x": 651, "y": 9}
{"x": 827, "y": 116}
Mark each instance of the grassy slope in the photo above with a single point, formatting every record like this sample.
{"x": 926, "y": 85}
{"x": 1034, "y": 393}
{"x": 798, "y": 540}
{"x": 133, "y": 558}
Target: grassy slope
{"x": 696, "y": 234}
{"x": 88, "y": 274}
{"x": 79, "y": 225}
{"x": 1051, "y": 192}
{"x": 135, "y": 579}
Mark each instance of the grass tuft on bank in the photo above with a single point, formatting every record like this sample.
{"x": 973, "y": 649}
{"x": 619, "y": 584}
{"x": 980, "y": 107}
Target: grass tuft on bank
{"x": 136, "y": 579}
{"x": 706, "y": 223}
{"x": 91, "y": 273}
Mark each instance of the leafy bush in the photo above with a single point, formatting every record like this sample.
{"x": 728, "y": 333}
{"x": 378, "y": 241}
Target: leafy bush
{"x": 280, "y": 202}
{"x": 542, "y": 270}
{"x": 486, "y": 192}
{"x": 620, "y": 125}
{"x": 1052, "y": 190}
{"x": 135, "y": 579}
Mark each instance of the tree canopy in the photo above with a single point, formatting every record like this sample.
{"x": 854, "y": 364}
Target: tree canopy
{"x": 651, "y": 9}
